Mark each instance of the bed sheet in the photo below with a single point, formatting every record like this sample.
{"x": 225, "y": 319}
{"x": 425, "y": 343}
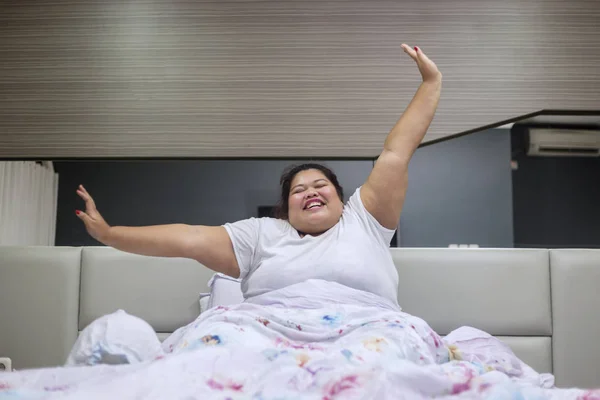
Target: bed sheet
{"x": 291, "y": 346}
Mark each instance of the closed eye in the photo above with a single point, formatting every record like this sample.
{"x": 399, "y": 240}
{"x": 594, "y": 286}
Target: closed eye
{"x": 299, "y": 190}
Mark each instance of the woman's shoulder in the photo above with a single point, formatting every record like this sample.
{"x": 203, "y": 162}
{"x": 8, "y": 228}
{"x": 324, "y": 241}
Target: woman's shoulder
{"x": 354, "y": 202}
{"x": 356, "y": 215}
{"x": 260, "y": 222}
{"x": 268, "y": 225}
{"x": 255, "y": 226}
{"x": 271, "y": 221}
{"x": 258, "y": 230}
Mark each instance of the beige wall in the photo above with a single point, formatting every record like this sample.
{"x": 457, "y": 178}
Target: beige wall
{"x": 277, "y": 78}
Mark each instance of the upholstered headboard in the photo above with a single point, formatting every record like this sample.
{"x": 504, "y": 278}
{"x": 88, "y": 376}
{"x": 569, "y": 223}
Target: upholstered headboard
{"x": 524, "y": 296}
{"x": 505, "y": 293}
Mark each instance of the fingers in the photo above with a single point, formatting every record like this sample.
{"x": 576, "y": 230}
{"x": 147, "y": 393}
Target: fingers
{"x": 422, "y": 56}
{"x": 89, "y": 202}
{"x": 416, "y": 53}
{"x": 410, "y": 51}
{"x": 83, "y": 193}
{"x": 82, "y": 216}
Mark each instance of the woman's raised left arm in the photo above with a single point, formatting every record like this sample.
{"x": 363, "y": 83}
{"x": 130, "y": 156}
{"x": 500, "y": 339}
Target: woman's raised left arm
{"x": 384, "y": 191}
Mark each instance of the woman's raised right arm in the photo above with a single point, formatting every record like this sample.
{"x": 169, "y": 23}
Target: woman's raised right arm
{"x": 209, "y": 245}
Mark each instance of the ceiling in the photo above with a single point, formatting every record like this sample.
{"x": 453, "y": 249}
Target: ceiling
{"x": 278, "y": 79}
{"x": 579, "y": 120}
{"x": 550, "y": 118}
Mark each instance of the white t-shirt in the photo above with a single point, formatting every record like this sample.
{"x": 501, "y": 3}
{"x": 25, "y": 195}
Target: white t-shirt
{"x": 355, "y": 253}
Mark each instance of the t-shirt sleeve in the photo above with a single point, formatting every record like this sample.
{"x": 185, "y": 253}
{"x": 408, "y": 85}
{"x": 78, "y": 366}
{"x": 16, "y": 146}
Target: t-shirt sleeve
{"x": 244, "y": 235}
{"x": 357, "y": 208}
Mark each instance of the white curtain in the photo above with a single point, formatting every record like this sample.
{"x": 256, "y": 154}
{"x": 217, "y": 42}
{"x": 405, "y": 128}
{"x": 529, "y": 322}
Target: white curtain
{"x": 28, "y": 201}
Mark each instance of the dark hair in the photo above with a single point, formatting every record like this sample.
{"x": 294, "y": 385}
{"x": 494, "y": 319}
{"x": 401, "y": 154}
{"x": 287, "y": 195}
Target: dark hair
{"x": 282, "y": 208}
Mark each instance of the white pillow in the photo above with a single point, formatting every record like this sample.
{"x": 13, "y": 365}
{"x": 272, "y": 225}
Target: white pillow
{"x": 224, "y": 291}
{"x": 116, "y": 338}
{"x": 204, "y": 300}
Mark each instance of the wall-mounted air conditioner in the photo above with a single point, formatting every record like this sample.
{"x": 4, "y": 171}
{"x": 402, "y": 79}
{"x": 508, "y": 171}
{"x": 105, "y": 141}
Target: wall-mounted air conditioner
{"x": 563, "y": 142}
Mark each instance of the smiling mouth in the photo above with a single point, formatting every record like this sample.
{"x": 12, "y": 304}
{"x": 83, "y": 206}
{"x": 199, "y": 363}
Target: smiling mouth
{"x": 315, "y": 205}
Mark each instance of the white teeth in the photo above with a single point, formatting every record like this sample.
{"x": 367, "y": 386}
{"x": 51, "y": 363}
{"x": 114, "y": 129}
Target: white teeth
{"x": 313, "y": 205}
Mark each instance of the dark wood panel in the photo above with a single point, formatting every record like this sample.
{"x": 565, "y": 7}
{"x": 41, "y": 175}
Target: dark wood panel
{"x": 277, "y": 78}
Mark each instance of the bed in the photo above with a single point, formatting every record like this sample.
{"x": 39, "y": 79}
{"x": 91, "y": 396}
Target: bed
{"x": 542, "y": 303}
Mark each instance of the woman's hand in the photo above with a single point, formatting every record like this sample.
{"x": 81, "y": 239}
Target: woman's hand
{"x": 429, "y": 71}
{"x": 94, "y": 223}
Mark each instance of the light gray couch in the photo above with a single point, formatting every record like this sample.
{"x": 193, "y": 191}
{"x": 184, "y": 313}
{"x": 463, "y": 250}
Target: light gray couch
{"x": 544, "y": 304}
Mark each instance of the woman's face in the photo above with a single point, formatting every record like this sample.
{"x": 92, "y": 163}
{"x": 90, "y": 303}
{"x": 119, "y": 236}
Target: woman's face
{"x": 314, "y": 205}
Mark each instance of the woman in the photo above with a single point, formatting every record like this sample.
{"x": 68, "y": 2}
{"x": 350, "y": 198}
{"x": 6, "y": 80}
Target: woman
{"x": 318, "y": 249}
{"x": 317, "y": 234}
